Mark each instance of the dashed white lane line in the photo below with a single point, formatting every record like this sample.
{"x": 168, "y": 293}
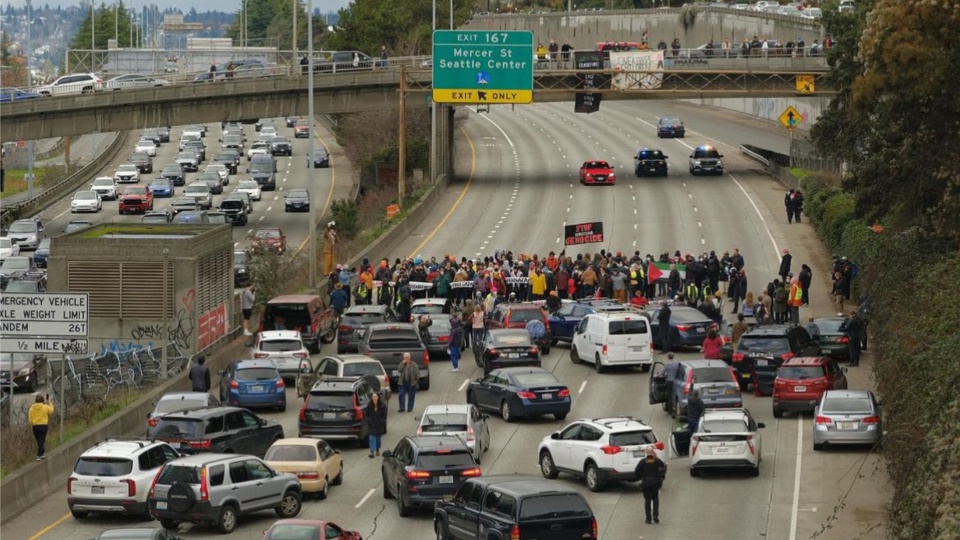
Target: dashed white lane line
{"x": 796, "y": 482}
{"x": 582, "y": 386}
{"x": 365, "y": 498}
{"x": 269, "y": 208}
{"x": 464, "y": 385}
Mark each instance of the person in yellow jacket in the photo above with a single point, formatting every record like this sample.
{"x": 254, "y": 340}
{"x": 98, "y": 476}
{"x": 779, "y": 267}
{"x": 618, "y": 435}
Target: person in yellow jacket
{"x": 39, "y": 416}
{"x": 538, "y": 284}
{"x": 794, "y": 300}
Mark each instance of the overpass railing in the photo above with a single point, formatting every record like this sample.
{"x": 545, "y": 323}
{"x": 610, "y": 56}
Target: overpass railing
{"x": 797, "y": 18}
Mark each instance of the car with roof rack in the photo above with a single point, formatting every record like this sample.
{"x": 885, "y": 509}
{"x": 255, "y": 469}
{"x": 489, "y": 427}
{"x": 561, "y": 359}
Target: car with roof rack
{"x": 175, "y": 402}
{"x": 114, "y": 477}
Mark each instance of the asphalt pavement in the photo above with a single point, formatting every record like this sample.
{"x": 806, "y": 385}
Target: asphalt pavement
{"x": 517, "y": 187}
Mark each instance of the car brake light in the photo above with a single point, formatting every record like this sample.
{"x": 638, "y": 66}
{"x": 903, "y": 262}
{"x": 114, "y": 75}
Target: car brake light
{"x": 260, "y": 355}
{"x": 470, "y": 433}
{"x": 871, "y": 420}
{"x": 843, "y": 339}
{"x": 564, "y": 393}
{"x": 787, "y": 355}
{"x": 200, "y": 445}
{"x": 533, "y": 351}
{"x": 153, "y": 422}
{"x": 308, "y": 475}
{"x": 688, "y": 384}
{"x": 426, "y": 358}
{"x": 738, "y": 357}
{"x": 443, "y": 339}
{"x": 357, "y": 411}
{"x": 204, "y": 490}
{"x": 303, "y": 410}
{"x": 472, "y": 472}
{"x": 234, "y": 384}
{"x": 417, "y": 475}
{"x": 345, "y": 328}
{"x": 515, "y": 533}
{"x": 493, "y": 352}
{"x": 153, "y": 485}
{"x": 595, "y": 530}
{"x": 610, "y": 450}
{"x": 300, "y": 355}
{"x": 70, "y": 485}
{"x": 823, "y": 420}
{"x": 682, "y": 327}
{"x": 694, "y": 444}
{"x": 280, "y": 383}
{"x": 131, "y": 488}
{"x": 659, "y": 445}
{"x": 753, "y": 449}
{"x": 603, "y": 350}
{"x": 526, "y": 395}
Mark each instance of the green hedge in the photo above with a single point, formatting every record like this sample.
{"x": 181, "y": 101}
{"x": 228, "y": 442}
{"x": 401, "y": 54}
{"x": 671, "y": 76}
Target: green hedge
{"x": 913, "y": 281}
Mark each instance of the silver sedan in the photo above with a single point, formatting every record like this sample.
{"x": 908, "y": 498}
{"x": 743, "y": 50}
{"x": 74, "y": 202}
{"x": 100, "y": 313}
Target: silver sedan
{"x": 847, "y": 417}
{"x": 133, "y": 80}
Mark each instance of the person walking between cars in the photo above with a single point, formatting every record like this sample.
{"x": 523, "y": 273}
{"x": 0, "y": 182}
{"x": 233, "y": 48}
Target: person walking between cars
{"x": 738, "y": 329}
{"x": 375, "y": 416}
{"x": 455, "y": 340}
{"x": 39, "y": 416}
{"x": 663, "y": 328}
{"x": 651, "y": 471}
{"x": 247, "y": 300}
{"x": 407, "y": 383}
{"x": 476, "y": 323}
{"x": 200, "y": 375}
{"x": 711, "y": 345}
{"x": 854, "y": 327}
{"x": 695, "y": 410}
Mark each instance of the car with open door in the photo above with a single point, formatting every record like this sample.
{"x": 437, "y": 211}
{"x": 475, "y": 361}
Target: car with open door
{"x": 725, "y": 439}
{"x": 671, "y": 384}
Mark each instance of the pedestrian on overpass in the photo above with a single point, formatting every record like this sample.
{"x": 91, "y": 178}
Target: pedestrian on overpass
{"x": 200, "y": 375}
{"x": 39, "y": 416}
{"x": 247, "y": 300}
{"x": 651, "y": 471}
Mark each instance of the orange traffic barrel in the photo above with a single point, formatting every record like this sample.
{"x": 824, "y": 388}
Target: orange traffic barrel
{"x": 392, "y": 211}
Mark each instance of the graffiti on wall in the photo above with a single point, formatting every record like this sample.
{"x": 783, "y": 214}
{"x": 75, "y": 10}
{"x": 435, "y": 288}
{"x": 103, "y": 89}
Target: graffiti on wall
{"x": 214, "y": 324}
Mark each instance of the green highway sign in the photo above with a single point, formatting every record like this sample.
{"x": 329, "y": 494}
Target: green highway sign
{"x": 482, "y": 66}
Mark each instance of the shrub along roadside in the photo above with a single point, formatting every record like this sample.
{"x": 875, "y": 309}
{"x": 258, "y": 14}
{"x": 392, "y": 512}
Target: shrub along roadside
{"x": 912, "y": 281}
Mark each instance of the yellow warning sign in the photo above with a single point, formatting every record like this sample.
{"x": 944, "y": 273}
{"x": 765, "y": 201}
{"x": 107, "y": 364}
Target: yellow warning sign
{"x": 791, "y": 118}
{"x": 806, "y": 84}
{"x": 482, "y": 96}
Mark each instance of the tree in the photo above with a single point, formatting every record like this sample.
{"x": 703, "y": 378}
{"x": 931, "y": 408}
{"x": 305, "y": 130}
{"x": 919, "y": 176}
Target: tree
{"x": 110, "y": 21}
{"x": 13, "y": 67}
{"x": 264, "y": 20}
{"x": 404, "y": 26}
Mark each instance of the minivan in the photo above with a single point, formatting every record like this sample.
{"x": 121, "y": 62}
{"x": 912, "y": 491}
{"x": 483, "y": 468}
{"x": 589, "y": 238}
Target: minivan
{"x": 304, "y": 313}
{"x": 263, "y": 169}
{"x": 613, "y": 339}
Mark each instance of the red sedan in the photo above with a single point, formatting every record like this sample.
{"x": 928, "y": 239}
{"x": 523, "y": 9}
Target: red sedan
{"x": 270, "y": 238}
{"x": 308, "y": 529}
{"x": 597, "y": 172}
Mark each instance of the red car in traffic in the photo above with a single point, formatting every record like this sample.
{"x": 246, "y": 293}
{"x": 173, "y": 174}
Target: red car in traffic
{"x": 801, "y": 382}
{"x": 597, "y": 172}
{"x": 271, "y": 238}
{"x": 136, "y": 199}
{"x": 308, "y": 529}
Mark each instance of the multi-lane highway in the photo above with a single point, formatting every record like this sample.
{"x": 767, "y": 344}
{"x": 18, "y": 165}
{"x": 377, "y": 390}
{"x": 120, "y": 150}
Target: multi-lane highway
{"x": 518, "y": 186}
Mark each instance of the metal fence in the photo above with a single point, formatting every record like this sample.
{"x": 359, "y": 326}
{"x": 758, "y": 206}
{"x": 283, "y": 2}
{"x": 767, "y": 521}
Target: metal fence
{"x": 804, "y": 155}
{"x": 76, "y": 380}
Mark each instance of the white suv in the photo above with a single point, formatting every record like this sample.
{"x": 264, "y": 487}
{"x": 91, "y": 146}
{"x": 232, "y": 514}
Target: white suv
{"x": 75, "y": 83}
{"x": 114, "y": 477}
{"x": 284, "y": 347}
{"x": 600, "y": 450}
{"x": 725, "y": 438}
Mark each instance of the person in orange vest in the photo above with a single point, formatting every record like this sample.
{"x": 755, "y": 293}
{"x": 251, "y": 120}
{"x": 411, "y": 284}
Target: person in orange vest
{"x": 795, "y": 300}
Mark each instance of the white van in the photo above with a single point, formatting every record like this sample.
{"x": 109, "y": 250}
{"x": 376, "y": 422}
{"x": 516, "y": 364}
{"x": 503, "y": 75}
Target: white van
{"x": 613, "y": 339}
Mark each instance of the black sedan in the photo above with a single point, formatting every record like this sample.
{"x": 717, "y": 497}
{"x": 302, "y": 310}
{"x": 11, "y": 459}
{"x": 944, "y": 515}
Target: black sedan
{"x": 296, "y": 200}
{"x": 507, "y": 348}
{"x": 520, "y": 392}
{"x": 174, "y": 173}
{"x": 688, "y": 327}
{"x": 229, "y": 159}
{"x": 320, "y": 159}
{"x": 650, "y": 163}
{"x": 833, "y": 337}
{"x": 670, "y": 127}
{"x": 29, "y": 370}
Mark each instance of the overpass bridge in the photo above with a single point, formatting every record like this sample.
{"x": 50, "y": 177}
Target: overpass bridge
{"x": 358, "y": 91}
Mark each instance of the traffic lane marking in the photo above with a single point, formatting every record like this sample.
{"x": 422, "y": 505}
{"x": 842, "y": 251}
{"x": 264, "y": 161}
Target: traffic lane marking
{"x": 51, "y": 526}
{"x": 365, "y": 497}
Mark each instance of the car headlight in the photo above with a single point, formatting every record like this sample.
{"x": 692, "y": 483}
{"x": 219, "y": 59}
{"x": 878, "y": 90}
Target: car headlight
{"x": 24, "y": 372}
{"x": 696, "y": 162}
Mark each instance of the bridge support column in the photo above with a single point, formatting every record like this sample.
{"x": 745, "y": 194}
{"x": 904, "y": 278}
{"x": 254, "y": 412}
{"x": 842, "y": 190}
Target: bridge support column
{"x": 442, "y": 144}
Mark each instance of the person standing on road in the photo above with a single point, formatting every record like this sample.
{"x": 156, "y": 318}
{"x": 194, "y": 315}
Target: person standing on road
{"x": 407, "y": 383}
{"x": 476, "y": 323}
{"x": 455, "y": 340}
{"x": 785, "y": 264}
{"x": 795, "y": 300}
{"x": 651, "y": 472}
{"x": 200, "y": 375}
{"x": 376, "y": 418}
{"x": 339, "y": 299}
{"x": 663, "y": 328}
{"x": 711, "y": 345}
{"x": 738, "y": 329}
{"x": 39, "y": 416}
{"x": 805, "y": 277}
{"x": 695, "y": 409}
{"x": 854, "y": 327}
{"x": 247, "y": 300}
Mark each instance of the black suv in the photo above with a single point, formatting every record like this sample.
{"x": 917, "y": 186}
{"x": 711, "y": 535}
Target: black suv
{"x": 650, "y": 163}
{"x": 354, "y": 321}
{"x": 421, "y": 470}
{"x": 229, "y": 160}
{"x": 334, "y": 410}
{"x": 230, "y": 430}
{"x": 515, "y": 506}
{"x": 235, "y": 210}
{"x": 763, "y": 349}
{"x": 175, "y": 174}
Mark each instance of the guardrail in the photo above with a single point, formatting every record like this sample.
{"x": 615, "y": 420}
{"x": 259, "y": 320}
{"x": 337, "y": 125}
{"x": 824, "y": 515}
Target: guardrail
{"x": 775, "y": 163}
{"x": 33, "y": 206}
{"x": 57, "y": 149}
{"x": 745, "y": 11}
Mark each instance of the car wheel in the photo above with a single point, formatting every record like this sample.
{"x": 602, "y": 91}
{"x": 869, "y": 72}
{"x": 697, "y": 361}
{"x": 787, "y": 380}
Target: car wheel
{"x": 817, "y": 447}
{"x": 440, "y": 528}
{"x": 33, "y": 382}
{"x": 338, "y": 479}
{"x": 290, "y": 505}
{"x": 77, "y": 514}
{"x": 560, "y": 415}
{"x": 554, "y": 341}
{"x": 546, "y": 466}
{"x": 546, "y": 350}
{"x": 694, "y": 472}
{"x": 598, "y": 364}
{"x": 574, "y": 357}
{"x": 227, "y": 521}
{"x": 425, "y": 384}
{"x": 755, "y": 472}
{"x": 592, "y": 475}
{"x": 505, "y": 412}
{"x": 170, "y": 524}
{"x": 402, "y": 507}
{"x": 777, "y": 413}
{"x": 645, "y": 368}
{"x": 744, "y": 385}
{"x": 386, "y": 490}
{"x": 322, "y": 494}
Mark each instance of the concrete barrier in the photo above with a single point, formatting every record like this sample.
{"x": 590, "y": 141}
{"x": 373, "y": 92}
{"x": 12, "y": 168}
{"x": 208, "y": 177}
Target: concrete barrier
{"x": 22, "y": 489}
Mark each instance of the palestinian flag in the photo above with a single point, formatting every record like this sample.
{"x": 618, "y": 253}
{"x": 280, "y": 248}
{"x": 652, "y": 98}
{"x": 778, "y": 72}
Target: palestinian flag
{"x": 659, "y": 272}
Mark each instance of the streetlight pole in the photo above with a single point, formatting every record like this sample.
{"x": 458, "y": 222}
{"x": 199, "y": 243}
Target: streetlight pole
{"x": 433, "y": 116}
{"x": 93, "y": 31}
{"x": 116, "y": 23}
{"x": 29, "y": 84}
{"x": 296, "y": 6}
{"x": 310, "y": 135}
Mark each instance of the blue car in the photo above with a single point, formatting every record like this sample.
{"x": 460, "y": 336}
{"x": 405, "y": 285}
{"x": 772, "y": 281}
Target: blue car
{"x": 15, "y": 94}
{"x": 42, "y": 253}
{"x": 564, "y": 321}
{"x": 162, "y": 187}
{"x": 520, "y": 392}
{"x": 252, "y": 384}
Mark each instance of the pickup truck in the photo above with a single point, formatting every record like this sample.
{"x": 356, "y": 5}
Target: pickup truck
{"x": 387, "y": 342}
{"x": 501, "y": 507}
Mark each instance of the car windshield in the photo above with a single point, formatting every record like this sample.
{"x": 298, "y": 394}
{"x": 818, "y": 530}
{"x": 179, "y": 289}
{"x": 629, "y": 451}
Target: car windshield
{"x": 445, "y": 460}
{"x": 560, "y": 505}
{"x": 127, "y": 168}
{"x": 628, "y": 327}
{"x": 330, "y": 400}
{"x": 23, "y": 227}
{"x": 179, "y": 427}
{"x": 525, "y": 315}
{"x": 240, "y": 257}
{"x": 268, "y": 234}
{"x": 176, "y": 405}
{"x": 186, "y": 155}
{"x": 764, "y": 344}
{"x": 108, "y": 182}
{"x": 6, "y": 242}
{"x": 280, "y": 345}
{"x": 15, "y": 263}
{"x": 712, "y": 375}
{"x": 102, "y": 466}
{"x": 23, "y": 286}
{"x": 360, "y": 369}
{"x": 247, "y": 184}
{"x": 257, "y": 374}
{"x": 198, "y": 189}
{"x": 362, "y": 318}
{"x": 440, "y": 422}
{"x": 210, "y": 177}
{"x": 135, "y": 191}
{"x": 297, "y": 194}
{"x": 161, "y": 182}
{"x": 81, "y": 195}
{"x": 724, "y": 425}
{"x": 797, "y": 373}
{"x": 829, "y": 326}
{"x": 671, "y": 121}
{"x": 513, "y": 339}
{"x": 706, "y": 153}
{"x": 291, "y": 452}
{"x": 183, "y": 201}
{"x": 535, "y": 378}
{"x": 596, "y": 165}
{"x": 650, "y": 154}
{"x": 231, "y": 204}
{"x": 432, "y": 309}
{"x": 847, "y": 405}
{"x": 279, "y": 140}
{"x": 261, "y": 167}
{"x": 632, "y": 438}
